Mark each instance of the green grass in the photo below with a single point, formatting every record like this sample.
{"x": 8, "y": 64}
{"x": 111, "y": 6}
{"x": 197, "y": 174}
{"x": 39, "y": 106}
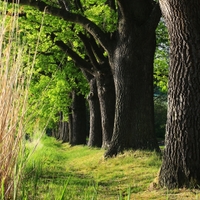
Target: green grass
{"x": 57, "y": 171}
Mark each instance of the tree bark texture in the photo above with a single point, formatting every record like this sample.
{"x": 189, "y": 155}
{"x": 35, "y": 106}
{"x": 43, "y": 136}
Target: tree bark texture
{"x": 95, "y": 134}
{"x": 106, "y": 95}
{"x": 181, "y": 160}
{"x": 132, "y": 64}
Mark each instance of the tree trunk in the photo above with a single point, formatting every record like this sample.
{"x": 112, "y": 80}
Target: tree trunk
{"x": 79, "y": 122}
{"x": 65, "y": 136}
{"x": 102, "y": 72}
{"x": 132, "y": 63}
{"x": 63, "y": 130}
{"x": 59, "y": 126}
{"x": 70, "y": 126}
{"x": 95, "y": 135}
{"x": 106, "y": 94}
{"x": 181, "y": 161}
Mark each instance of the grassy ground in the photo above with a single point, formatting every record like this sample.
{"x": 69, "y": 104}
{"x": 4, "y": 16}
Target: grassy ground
{"x": 58, "y": 171}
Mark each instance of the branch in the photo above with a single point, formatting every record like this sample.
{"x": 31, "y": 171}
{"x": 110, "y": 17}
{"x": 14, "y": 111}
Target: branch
{"x": 89, "y": 51}
{"x": 75, "y": 57}
{"x": 91, "y": 27}
{"x": 98, "y": 51}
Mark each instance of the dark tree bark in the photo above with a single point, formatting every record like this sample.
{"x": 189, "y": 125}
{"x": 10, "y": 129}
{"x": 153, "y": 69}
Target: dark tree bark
{"x": 105, "y": 87}
{"x": 63, "y": 132}
{"x": 70, "y": 125}
{"x": 101, "y": 72}
{"x": 95, "y": 135}
{"x": 181, "y": 161}
{"x": 132, "y": 63}
{"x": 79, "y": 121}
{"x": 106, "y": 94}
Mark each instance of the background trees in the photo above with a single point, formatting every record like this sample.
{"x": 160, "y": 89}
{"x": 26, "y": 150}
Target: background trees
{"x": 93, "y": 40}
{"x": 125, "y": 49}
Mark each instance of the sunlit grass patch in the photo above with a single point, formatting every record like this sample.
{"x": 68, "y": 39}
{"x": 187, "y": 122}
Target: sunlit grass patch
{"x": 61, "y": 171}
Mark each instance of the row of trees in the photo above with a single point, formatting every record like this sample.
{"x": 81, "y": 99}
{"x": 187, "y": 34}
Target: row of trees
{"x": 113, "y": 44}
{"x": 95, "y": 56}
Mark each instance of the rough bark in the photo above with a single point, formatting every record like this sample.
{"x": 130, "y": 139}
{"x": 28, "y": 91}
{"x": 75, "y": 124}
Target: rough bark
{"x": 106, "y": 94}
{"x": 181, "y": 160}
{"x": 132, "y": 63}
{"x": 95, "y": 134}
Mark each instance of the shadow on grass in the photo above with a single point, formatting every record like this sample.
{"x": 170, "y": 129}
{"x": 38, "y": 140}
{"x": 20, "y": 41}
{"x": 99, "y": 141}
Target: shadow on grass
{"x": 42, "y": 184}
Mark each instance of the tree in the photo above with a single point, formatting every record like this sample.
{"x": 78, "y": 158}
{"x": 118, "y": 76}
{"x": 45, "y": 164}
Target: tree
{"x": 130, "y": 51}
{"x": 95, "y": 132}
{"x": 181, "y": 160}
{"x": 79, "y": 122}
{"x": 96, "y": 67}
{"x": 131, "y": 58}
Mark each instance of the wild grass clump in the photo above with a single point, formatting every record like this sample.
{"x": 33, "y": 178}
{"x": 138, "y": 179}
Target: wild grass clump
{"x": 13, "y": 100}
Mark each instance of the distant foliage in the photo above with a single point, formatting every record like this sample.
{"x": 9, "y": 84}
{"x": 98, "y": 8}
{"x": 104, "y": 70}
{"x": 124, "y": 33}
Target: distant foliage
{"x": 161, "y": 61}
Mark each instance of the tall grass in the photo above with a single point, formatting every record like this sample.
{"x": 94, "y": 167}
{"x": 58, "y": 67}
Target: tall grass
{"x": 14, "y": 83}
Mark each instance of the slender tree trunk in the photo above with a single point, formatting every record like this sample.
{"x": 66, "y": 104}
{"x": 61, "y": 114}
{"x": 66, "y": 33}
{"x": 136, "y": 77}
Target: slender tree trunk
{"x": 181, "y": 161}
{"x": 60, "y": 127}
{"x": 65, "y": 135}
{"x": 79, "y": 130}
{"x": 63, "y": 131}
{"x": 95, "y": 135}
{"x": 132, "y": 63}
{"x": 106, "y": 94}
{"x": 70, "y": 126}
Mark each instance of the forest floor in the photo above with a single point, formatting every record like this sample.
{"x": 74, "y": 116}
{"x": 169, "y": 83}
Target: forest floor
{"x": 57, "y": 171}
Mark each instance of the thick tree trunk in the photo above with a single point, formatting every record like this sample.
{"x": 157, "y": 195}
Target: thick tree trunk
{"x": 106, "y": 94}
{"x": 181, "y": 161}
{"x": 95, "y": 135}
{"x": 132, "y": 62}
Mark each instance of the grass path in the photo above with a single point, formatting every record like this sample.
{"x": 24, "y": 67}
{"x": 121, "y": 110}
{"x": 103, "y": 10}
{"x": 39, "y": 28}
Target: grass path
{"x": 57, "y": 171}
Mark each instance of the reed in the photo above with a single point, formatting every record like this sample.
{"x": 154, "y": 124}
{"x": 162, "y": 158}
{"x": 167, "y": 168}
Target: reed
{"x": 13, "y": 100}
